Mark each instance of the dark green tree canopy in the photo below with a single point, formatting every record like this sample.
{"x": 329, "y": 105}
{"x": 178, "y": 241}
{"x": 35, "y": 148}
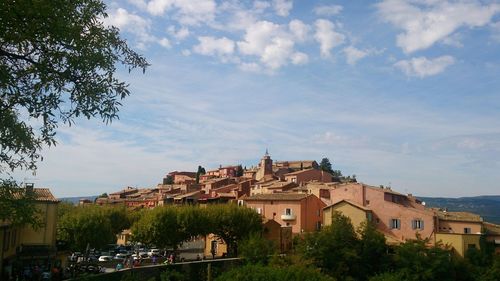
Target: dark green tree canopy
{"x": 325, "y": 165}
{"x": 57, "y": 62}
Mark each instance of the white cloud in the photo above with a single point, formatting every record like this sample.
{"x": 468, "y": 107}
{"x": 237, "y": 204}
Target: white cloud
{"x": 299, "y": 29}
{"x": 327, "y": 37}
{"x": 270, "y": 42}
{"x": 179, "y": 34}
{"x": 211, "y": 46}
{"x": 126, "y": 21}
{"x": 299, "y": 58}
{"x": 354, "y": 54}
{"x": 426, "y": 22}
{"x": 277, "y": 52}
{"x": 260, "y": 6}
{"x": 164, "y": 42}
{"x": 422, "y": 67}
{"x": 186, "y": 12}
{"x": 328, "y": 10}
{"x": 129, "y": 22}
{"x": 282, "y": 7}
{"x": 257, "y": 36}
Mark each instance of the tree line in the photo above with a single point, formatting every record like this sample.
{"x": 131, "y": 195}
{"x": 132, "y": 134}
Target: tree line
{"x": 164, "y": 227}
{"x": 340, "y": 252}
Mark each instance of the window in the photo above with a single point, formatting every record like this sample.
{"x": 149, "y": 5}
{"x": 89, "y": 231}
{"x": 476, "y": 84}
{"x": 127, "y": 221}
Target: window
{"x": 318, "y": 225}
{"x": 259, "y": 211}
{"x": 467, "y": 230}
{"x": 417, "y": 224}
{"x": 369, "y": 216}
{"x": 395, "y": 223}
{"x": 288, "y": 211}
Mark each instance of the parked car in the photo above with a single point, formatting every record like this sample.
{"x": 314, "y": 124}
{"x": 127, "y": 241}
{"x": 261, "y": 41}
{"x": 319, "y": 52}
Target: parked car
{"x": 154, "y": 252}
{"x": 105, "y": 258}
{"x": 120, "y": 256}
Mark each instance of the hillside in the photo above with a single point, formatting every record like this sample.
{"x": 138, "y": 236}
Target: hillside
{"x": 486, "y": 206}
{"x": 75, "y": 200}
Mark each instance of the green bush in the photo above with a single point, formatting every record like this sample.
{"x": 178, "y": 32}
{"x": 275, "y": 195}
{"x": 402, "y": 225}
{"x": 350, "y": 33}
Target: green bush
{"x": 268, "y": 273}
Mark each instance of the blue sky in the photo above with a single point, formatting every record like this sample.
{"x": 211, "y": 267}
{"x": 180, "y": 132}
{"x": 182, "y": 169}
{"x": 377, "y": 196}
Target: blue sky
{"x": 400, "y": 93}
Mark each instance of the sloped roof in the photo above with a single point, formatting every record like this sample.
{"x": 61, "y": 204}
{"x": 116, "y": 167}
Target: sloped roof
{"x": 459, "y": 216}
{"x": 277, "y": 197}
{"x": 361, "y": 207}
{"x": 126, "y": 190}
{"x": 44, "y": 194}
{"x": 299, "y": 172}
{"x": 491, "y": 228}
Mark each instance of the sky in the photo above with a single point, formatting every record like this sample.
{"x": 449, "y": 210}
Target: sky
{"x": 400, "y": 93}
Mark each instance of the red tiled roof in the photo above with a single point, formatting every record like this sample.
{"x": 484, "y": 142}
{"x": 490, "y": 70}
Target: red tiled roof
{"x": 299, "y": 171}
{"x": 350, "y": 203}
{"x": 277, "y": 197}
{"x": 44, "y": 194}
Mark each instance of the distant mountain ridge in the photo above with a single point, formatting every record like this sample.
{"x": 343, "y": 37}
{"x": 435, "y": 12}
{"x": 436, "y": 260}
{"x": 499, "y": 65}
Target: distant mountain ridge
{"x": 487, "y": 206}
{"x": 75, "y": 200}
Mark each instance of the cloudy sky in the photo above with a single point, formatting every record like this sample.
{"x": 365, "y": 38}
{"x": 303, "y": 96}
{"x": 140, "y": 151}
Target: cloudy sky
{"x": 400, "y": 93}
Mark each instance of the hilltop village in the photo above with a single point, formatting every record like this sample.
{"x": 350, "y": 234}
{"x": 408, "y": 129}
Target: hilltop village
{"x": 300, "y": 197}
{"x": 285, "y": 199}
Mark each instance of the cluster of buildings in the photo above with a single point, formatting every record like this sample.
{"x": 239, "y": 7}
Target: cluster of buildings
{"x": 294, "y": 197}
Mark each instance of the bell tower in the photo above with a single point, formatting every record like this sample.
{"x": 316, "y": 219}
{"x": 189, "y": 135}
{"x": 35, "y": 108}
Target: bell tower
{"x": 265, "y": 167}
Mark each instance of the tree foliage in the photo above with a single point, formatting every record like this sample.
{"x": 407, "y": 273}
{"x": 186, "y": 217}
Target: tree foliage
{"x": 57, "y": 62}
{"x": 334, "y": 249}
{"x": 233, "y": 223}
{"x": 268, "y": 273}
{"x": 418, "y": 260}
{"x": 255, "y": 249}
{"x": 93, "y": 225}
{"x": 326, "y": 165}
{"x": 372, "y": 250}
{"x": 17, "y": 205}
{"x": 199, "y": 172}
{"x": 169, "y": 226}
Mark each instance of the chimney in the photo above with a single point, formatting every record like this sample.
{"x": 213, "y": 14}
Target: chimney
{"x": 29, "y": 187}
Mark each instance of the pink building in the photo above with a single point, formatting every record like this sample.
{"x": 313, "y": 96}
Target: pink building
{"x": 398, "y": 216}
{"x": 228, "y": 171}
{"x": 183, "y": 177}
{"x": 303, "y": 176}
{"x": 301, "y": 212}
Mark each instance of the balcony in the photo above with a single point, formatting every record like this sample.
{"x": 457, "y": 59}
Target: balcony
{"x": 288, "y": 217}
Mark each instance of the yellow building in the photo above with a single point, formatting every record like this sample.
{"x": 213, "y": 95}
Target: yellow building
{"x": 357, "y": 213}
{"x": 459, "y": 242}
{"x": 124, "y": 238}
{"x": 23, "y": 245}
{"x": 459, "y": 230}
{"x": 215, "y": 247}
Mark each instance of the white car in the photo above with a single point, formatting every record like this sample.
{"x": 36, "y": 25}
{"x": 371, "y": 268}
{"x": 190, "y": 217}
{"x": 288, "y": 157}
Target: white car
{"x": 105, "y": 258}
{"x": 154, "y": 252}
{"x": 120, "y": 257}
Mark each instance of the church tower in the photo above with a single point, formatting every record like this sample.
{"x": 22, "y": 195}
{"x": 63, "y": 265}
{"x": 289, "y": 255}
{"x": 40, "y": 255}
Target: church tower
{"x": 265, "y": 167}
